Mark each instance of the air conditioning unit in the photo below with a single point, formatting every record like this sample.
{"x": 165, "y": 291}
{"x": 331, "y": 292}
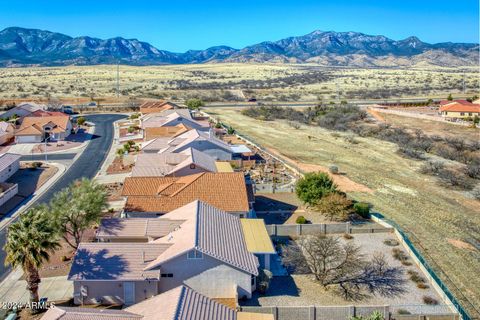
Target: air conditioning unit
{"x": 84, "y": 291}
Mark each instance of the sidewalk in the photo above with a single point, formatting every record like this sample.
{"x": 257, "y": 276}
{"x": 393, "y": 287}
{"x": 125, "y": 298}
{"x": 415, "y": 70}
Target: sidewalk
{"x": 112, "y": 153}
{"x": 13, "y": 288}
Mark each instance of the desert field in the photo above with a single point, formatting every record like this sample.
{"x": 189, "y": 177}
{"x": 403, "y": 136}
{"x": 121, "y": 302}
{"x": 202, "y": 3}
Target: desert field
{"x": 444, "y": 224}
{"x": 233, "y": 81}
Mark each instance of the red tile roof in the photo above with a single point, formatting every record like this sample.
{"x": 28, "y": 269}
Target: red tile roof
{"x": 460, "y": 107}
{"x": 226, "y": 191}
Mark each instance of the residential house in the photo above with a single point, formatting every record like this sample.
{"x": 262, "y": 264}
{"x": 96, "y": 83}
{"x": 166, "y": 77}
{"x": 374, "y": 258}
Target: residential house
{"x": 157, "y": 106}
{"x": 196, "y": 139}
{"x": 22, "y": 110}
{"x": 179, "y": 303}
{"x": 149, "y": 229}
{"x": 40, "y": 125}
{"x": 153, "y": 196}
{"x": 9, "y": 164}
{"x": 459, "y": 109}
{"x": 184, "y": 163}
{"x": 171, "y": 124}
{"x": 7, "y": 132}
{"x": 205, "y": 245}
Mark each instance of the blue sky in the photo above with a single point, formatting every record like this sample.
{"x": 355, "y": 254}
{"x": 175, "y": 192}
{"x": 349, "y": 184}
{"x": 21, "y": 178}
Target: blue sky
{"x": 179, "y": 25}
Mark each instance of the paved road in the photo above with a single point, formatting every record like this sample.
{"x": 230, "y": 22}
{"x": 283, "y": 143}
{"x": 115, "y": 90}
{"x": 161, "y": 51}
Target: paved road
{"x": 86, "y": 165}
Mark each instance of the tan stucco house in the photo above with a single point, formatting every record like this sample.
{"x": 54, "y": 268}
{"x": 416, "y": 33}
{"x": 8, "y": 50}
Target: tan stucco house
{"x": 459, "y": 109}
{"x": 204, "y": 246}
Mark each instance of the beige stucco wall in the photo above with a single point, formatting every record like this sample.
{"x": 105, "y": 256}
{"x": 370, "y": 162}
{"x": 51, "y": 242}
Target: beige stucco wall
{"x": 208, "y": 276}
{"x": 452, "y": 114}
{"x": 9, "y": 171}
{"x": 111, "y": 292}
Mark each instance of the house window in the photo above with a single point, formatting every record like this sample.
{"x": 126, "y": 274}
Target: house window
{"x": 469, "y": 113}
{"x": 166, "y": 275}
{"x": 194, "y": 254}
{"x": 462, "y": 113}
{"x": 252, "y": 279}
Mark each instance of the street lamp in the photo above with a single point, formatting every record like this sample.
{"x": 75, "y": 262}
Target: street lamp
{"x": 45, "y": 131}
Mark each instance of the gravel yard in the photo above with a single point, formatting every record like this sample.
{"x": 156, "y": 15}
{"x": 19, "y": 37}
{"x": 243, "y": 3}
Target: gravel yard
{"x": 302, "y": 290}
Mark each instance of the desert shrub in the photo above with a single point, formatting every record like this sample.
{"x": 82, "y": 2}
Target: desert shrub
{"x": 362, "y": 209}
{"x": 134, "y": 116}
{"x": 432, "y": 167}
{"x": 422, "y": 285}
{"x": 264, "y": 279}
{"x": 301, "y": 220}
{"x": 411, "y": 153}
{"x": 335, "y": 206}
{"x": 429, "y": 300}
{"x": 81, "y": 121}
{"x": 351, "y": 139}
{"x": 313, "y": 186}
{"x": 347, "y": 236}
{"x": 399, "y": 255}
{"x": 476, "y": 192}
{"x": 473, "y": 170}
{"x": 416, "y": 277}
{"x": 333, "y": 169}
{"x": 453, "y": 178}
{"x": 35, "y": 165}
{"x": 294, "y": 125}
{"x": 403, "y": 311}
{"x": 391, "y": 242}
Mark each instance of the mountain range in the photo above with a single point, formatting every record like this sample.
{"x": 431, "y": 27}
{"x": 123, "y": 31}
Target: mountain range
{"x": 32, "y": 47}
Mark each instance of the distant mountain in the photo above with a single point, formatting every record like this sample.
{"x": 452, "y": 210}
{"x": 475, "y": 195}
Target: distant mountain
{"x": 27, "y": 47}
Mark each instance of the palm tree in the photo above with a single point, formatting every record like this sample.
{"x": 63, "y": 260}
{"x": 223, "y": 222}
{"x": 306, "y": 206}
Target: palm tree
{"x": 30, "y": 241}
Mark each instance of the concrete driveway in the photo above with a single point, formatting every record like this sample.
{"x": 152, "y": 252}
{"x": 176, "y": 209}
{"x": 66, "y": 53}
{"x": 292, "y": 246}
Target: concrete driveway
{"x": 22, "y": 148}
{"x": 13, "y": 289}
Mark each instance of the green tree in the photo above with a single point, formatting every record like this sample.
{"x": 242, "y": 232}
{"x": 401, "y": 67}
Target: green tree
{"x": 29, "y": 243}
{"x": 81, "y": 121}
{"x": 450, "y": 98}
{"x": 230, "y": 130}
{"x": 476, "y": 119}
{"x": 76, "y": 208}
{"x": 314, "y": 186}
{"x": 194, "y": 103}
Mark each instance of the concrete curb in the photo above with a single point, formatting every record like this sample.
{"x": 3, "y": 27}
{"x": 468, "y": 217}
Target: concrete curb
{"x": 109, "y": 158}
{"x": 25, "y": 204}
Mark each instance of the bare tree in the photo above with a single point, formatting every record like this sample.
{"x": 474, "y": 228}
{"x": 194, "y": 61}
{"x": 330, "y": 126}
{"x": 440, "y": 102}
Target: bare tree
{"x": 54, "y": 104}
{"x": 344, "y": 267}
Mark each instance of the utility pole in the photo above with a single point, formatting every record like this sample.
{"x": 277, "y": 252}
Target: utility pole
{"x": 463, "y": 83}
{"x": 118, "y": 79}
{"x": 45, "y": 133}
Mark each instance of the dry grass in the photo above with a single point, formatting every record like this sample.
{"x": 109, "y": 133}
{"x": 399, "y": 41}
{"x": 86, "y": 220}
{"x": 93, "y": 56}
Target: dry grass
{"x": 429, "y": 213}
{"x": 181, "y": 81}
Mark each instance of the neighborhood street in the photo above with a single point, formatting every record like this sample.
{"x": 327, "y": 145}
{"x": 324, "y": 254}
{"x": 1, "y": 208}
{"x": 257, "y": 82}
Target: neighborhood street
{"x": 87, "y": 165}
